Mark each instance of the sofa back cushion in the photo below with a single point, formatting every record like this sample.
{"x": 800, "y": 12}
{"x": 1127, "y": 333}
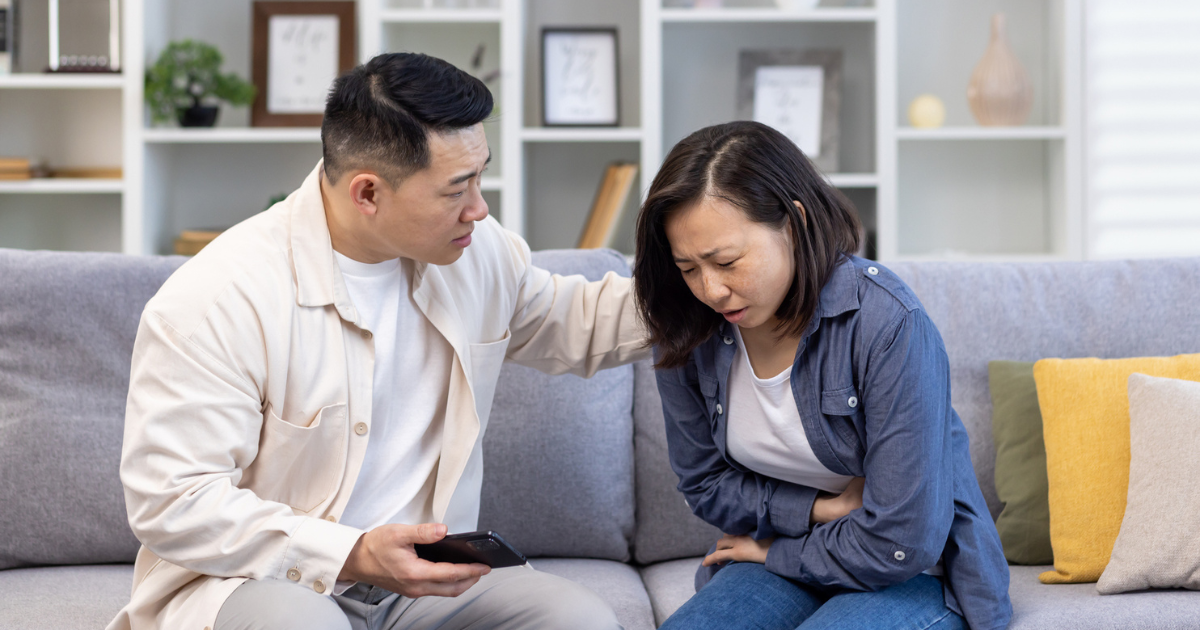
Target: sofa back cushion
{"x": 985, "y": 312}
{"x": 67, "y": 323}
{"x": 558, "y": 453}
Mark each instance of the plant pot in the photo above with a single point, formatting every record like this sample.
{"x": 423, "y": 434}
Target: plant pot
{"x": 199, "y": 116}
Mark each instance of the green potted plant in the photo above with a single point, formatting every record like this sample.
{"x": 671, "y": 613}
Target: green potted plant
{"x": 185, "y": 81}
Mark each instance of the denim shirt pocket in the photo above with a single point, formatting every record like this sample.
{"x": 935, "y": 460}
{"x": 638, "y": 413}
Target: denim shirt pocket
{"x": 841, "y": 408}
{"x": 708, "y": 389}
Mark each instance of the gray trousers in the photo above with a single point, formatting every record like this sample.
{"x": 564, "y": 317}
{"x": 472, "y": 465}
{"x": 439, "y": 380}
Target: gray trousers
{"x": 505, "y": 599}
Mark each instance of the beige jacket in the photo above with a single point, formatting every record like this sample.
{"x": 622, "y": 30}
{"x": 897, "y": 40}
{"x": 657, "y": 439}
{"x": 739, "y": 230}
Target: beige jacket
{"x": 249, "y": 406}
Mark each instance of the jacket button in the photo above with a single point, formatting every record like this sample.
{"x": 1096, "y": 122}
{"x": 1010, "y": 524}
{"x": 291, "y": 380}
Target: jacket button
{"x": 293, "y": 574}
{"x": 853, "y": 402}
{"x": 874, "y": 271}
{"x": 361, "y": 428}
{"x": 728, "y": 340}
{"x": 331, "y": 518}
{"x": 899, "y": 555}
{"x": 366, "y": 334}
{"x": 319, "y": 586}
{"x": 720, "y": 409}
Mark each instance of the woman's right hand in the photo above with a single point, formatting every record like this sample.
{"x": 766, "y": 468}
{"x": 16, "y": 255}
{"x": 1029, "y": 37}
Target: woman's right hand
{"x": 831, "y": 508}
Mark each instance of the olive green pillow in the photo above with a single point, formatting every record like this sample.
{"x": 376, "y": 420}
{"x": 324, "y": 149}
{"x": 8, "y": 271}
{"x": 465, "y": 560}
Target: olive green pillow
{"x": 1021, "y": 483}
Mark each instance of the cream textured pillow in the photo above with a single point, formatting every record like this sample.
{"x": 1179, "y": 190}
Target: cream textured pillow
{"x": 1158, "y": 546}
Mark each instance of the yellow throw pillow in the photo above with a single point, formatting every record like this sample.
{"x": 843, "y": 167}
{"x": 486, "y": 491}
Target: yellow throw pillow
{"x": 1085, "y": 421}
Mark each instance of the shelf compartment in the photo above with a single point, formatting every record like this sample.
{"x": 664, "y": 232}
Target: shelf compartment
{"x": 982, "y": 133}
{"x": 55, "y": 186}
{"x": 233, "y": 135}
{"x": 64, "y": 81}
{"x": 62, "y": 222}
{"x": 581, "y": 134}
{"x": 426, "y": 16}
{"x": 770, "y": 14}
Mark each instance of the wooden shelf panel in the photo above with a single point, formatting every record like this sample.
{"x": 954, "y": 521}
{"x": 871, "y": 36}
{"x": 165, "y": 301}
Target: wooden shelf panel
{"x": 581, "y": 134}
{"x": 982, "y": 133}
{"x": 233, "y": 135}
{"x": 64, "y": 81}
{"x": 60, "y": 186}
{"x": 769, "y": 15}
{"x": 426, "y": 16}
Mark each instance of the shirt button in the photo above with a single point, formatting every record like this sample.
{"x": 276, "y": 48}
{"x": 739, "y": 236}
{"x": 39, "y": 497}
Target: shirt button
{"x": 720, "y": 409}
{"x": 366, "y": 334}
{"x": 293, "y": 574}
{"x": 319, "y": 586}
{"x": 899, "y": 555}
{"x": 853, "y": 402}
{"x": 331, "y": 518}
{"x": 361, "y": 428}
{"x": 728, "y": 340}
{"x": 874, "y": 271}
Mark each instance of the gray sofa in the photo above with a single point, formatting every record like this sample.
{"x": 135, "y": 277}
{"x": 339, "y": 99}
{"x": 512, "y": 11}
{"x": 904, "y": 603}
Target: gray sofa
{"x": 577, "y": 474}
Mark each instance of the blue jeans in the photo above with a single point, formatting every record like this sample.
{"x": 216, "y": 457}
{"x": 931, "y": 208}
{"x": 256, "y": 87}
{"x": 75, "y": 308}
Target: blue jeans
{"x": 746, "y": 595}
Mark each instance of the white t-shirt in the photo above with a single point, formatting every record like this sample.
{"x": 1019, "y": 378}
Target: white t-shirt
{"x": 411, "y": 384}
{"x": 763, "y": 430}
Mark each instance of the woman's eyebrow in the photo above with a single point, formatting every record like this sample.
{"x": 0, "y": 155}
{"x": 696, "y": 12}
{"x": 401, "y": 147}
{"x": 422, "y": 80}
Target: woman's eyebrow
{"x": 704, "y": 256}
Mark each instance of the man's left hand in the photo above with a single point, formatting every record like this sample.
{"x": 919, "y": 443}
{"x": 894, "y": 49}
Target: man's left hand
{"x": 739, "y": 549}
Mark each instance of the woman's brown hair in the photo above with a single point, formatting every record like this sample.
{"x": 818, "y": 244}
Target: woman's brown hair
{"x": 761, "y": 172}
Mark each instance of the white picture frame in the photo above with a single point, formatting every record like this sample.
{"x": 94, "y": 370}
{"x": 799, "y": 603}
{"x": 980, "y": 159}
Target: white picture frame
{"x": 798, "y": 93}
{"x": 580, "y": 77}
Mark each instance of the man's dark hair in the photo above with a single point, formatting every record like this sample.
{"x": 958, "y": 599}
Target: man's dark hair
{"x": 760, "y": 171}
{"x": 379, "y": 115}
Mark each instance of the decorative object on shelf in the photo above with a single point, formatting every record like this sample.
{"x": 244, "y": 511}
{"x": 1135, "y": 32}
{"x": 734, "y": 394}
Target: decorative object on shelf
{"x": 95, "y": 42}
{"x": 798, "y": 92}
{"x": 580, "y": 77}
{"x": 182, "y": 83}
{"x": 793, "y": 6}
{"x": 299, "y": 49}
{"x": 113, "y": 172}
{"x": 190, "y": 242}
{"x": 926, "y": 112}
{"x": 275, "y": 199}
{"x": 8, "y": 34}
{"x": 608, "y": 208}
{"x": 17, "y": 168}
{"x": 999, "y": 92}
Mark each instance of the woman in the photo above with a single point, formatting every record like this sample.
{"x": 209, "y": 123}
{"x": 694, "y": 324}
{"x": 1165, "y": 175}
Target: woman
{"x": 807, "y": 402}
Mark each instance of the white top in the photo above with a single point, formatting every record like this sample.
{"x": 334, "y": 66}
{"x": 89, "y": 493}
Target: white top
{"x": 411, "y": 382}
{"x": 763, "y": 430}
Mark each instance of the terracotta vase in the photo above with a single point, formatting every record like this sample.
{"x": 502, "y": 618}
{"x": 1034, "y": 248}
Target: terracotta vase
{"x": 999, "y": 92}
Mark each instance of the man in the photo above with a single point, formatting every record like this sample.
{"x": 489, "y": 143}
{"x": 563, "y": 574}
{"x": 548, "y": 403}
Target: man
{"x": 309, "y": 394}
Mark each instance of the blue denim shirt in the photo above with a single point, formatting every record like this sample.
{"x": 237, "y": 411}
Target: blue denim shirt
{"x": 872, "y": 383}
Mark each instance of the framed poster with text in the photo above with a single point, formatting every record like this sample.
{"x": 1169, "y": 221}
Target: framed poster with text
{"x": 299, "y": 48}
{"x": 580, "y": 77}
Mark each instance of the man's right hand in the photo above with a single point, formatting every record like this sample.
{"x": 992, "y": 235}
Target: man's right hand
{"x": 385, "y": 557}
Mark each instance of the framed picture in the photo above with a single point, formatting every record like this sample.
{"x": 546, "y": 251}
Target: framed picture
{"x": 299, "y": 49}
{"x": 798, "y": 92}
{"x": 580, "y": 77}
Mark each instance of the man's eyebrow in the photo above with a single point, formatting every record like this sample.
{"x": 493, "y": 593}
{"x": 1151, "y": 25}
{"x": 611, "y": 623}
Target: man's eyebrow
{"x": 462, "y": 178}
{"x": 704, "y": 256}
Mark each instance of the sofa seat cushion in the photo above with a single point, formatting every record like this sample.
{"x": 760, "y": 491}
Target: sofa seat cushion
{"x": 616, "y": 583}
{"x": 63, "y": 598}
{"x": 1036, "y": 606}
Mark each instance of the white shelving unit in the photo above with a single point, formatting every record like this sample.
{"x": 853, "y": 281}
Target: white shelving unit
{"x": 960, "y": 191}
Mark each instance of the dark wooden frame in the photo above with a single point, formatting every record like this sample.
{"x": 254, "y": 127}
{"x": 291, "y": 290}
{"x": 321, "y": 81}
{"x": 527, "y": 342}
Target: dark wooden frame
{"x": 263, "y": 10}
{"x": 607, "y": 30}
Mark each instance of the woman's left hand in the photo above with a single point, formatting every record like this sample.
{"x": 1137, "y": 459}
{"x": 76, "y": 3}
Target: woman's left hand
{"x": 739, "y": 549}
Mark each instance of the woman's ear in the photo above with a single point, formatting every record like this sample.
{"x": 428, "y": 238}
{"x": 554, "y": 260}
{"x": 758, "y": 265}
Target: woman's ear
{"x": 803, "y": 214}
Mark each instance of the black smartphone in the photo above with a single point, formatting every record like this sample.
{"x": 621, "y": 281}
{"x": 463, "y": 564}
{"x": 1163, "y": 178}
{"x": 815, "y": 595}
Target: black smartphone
{"x": 483, "y": 547}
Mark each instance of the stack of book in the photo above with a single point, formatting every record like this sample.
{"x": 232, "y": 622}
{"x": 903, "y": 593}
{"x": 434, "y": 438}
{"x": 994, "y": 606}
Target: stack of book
{"x": 609, "y": 206}
{"x": 16, "y": 168}
{"x": 190, "y": 242}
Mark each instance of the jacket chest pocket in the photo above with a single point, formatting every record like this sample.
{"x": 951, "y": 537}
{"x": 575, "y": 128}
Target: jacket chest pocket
{"x": 486, "y": 361}
{"x": 841, "y": 408}
{"x": 709, "y": 390}
{"x": 300, "y": 466}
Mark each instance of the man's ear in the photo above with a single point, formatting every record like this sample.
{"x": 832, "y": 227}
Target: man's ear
{"x": 364, "y": 193}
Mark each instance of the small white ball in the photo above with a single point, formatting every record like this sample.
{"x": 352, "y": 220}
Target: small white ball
{"x": 926, "y": 111}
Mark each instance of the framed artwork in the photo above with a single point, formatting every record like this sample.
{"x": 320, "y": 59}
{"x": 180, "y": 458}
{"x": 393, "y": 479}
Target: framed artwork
{"x": 580, "y": 77}
{"x": 798, "y": 92}
{"x": 299, "y": 48}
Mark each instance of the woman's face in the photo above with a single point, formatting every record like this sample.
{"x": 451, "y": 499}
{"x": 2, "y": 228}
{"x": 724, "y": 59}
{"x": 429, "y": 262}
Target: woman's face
{"x": 737, "y": 267}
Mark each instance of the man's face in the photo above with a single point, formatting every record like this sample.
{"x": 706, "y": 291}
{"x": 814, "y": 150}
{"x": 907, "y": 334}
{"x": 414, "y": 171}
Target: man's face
{"x": 429, "y": 217}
